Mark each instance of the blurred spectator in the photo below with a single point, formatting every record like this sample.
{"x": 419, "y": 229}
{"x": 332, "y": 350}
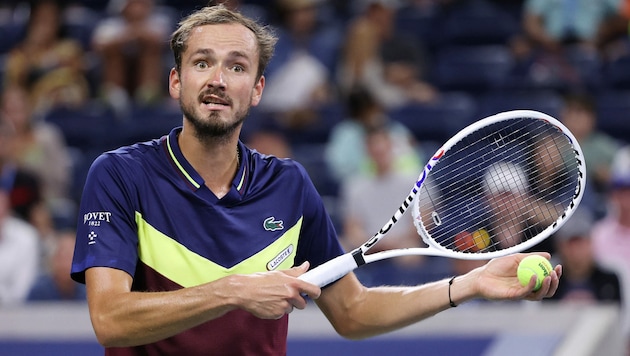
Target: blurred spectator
{"x": 611, "y": 235}
{"x": 552, "y": 28}
{"x": 583, "y": 280}
{"x": 19, "y": 255}
{"x": 613, "y": 37}
{"x": 131, "y": 44}
{"x": 512, "y": 210}
{"x": 299, "y": 75}
{"x": 552, "y": 24}
{"x": 579, "y": 116}
{"x": 48, "y": 65}
{"x": 505, "y": 186}
{"x": 22, "y": 186}
{"x": 54, "y": 283}
{"x": 346, "y": 154}
{"x": 39, "y": 148}
{"x": 388, "y": 64}
{"x": 367, "y": 201}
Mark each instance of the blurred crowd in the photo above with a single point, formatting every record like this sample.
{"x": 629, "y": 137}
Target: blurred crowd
{"x": 360, "y": 92}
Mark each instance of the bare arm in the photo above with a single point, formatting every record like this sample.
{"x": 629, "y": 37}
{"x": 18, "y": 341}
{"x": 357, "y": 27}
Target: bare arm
{"x": 121, "y": 317}
{"x": 358, "y": 312}
{"x": 361, "y": 46}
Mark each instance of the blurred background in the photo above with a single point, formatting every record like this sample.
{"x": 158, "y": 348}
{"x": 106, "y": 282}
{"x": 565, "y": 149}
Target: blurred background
{"x": 83, "y": 77}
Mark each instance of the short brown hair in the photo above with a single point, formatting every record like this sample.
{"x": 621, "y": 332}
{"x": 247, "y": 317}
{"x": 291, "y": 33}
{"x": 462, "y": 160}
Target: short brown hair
{"x": 219, "y": 14}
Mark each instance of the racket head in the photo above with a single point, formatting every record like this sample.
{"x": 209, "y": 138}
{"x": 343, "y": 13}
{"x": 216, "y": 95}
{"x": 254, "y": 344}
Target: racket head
{"x": 500, "y": 186}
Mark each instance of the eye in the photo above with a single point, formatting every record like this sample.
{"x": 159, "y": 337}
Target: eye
{"x": 238, "y": 68}
{"x": 201, "y": 65}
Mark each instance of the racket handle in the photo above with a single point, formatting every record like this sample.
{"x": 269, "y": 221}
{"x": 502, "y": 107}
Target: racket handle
{"x": 330, "y": 271}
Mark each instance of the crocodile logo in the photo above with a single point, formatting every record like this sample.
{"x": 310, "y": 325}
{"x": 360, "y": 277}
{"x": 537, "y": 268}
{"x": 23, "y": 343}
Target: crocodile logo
{"x": 271, "y": 224}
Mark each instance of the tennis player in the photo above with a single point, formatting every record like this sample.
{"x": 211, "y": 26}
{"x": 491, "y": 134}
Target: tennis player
{"x": 192, "y": 243}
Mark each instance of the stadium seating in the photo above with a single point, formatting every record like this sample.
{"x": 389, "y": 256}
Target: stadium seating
{"x": 616, "y": 73}
{"x": 422, "y": 26}
{"x": 437, "y": 121}
{"x": 149, "y": 122}
{"x": 79, "y": 24}
{"x": 10, "y": 34}
{"x": 546, "y": 101}
{"x": 613, "y": 113}
{"x": 477, "y": 22}
{"x": 85, "y": 128}
{"x": 472, "y": 68}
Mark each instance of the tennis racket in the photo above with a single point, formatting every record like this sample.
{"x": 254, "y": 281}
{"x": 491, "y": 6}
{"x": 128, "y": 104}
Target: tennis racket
{"x": 499, "y": 186}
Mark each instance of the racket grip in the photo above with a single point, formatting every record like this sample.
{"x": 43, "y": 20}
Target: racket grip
{"x": 330, "y": 271}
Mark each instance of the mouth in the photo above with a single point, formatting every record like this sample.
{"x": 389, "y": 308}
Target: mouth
{"x": 213, "y": 101}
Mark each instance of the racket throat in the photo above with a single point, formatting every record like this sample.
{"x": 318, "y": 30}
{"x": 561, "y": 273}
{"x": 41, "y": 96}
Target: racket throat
{"x": 358, "y": 257}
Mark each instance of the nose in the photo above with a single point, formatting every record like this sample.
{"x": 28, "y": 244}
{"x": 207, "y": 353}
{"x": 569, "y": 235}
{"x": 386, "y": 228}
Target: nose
{"x": 217, "y": 80}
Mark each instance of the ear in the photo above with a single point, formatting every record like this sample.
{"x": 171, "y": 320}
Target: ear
{"x": 257, "y": 91}
{"x": 174, "y": 84}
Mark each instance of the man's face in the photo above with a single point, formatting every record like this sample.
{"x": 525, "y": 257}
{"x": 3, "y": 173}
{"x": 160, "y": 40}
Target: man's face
{"x": 581, "y": 122}
{"x": 217, "y": 83}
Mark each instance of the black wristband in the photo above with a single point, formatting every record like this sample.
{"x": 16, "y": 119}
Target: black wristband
{"x": 450, "y": 283}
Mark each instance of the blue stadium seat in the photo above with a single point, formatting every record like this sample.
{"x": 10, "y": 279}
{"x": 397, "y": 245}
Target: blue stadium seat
{"x": 421, "y": 26}
{"x": 10, "y": 35}
{"x": 96, "y": 5}
{"x": 472, "y": 68}
{"x": 477, "y": 23}
{"x": 91, "y": 127}
{"x": 546, "y": 101}
{"x": 82, "y": 161}
{"x": 613, "y": 113}
{"x": 311, "y": 156}
{"x": 79, "y": 23}
{"x": 315, "y": 132}
{"x": 149, "y": 122}
{"x": 617, "y": 73}
{"x": 588, "y": 66}
{"x": 440, "y": 120}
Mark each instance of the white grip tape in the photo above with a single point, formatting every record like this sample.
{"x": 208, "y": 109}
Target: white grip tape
{"x": 330, "y": 271}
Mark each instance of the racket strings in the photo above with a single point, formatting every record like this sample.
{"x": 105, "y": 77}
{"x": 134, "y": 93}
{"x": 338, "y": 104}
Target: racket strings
{"x": 499, "y": 186}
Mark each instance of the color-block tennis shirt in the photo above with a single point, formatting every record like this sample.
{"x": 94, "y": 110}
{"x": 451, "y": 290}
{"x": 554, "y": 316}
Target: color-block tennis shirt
{"x": 146, "y": 211}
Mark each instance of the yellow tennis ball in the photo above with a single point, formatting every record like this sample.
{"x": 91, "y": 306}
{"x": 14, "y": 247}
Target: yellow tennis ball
{"x": 482, "y": 239}
{"x": 533, "y": 265}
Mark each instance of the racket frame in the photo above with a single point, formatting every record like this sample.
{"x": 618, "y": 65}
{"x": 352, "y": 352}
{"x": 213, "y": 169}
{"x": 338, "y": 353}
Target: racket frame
{"x": 338, "y": 267}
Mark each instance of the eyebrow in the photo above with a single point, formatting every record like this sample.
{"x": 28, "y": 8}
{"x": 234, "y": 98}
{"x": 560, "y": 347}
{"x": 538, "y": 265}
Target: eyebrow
{"x": 209, "y": 51}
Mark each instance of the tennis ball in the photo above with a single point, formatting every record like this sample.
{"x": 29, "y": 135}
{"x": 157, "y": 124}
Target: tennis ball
{"x": 533, "y": 265}
{"x": 482, "y": 239}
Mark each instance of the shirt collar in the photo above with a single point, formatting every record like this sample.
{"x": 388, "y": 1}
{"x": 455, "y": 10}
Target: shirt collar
{"x": 191, "y": 176}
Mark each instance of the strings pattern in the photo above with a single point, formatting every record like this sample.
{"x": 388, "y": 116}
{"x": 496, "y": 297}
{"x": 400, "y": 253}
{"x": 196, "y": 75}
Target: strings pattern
{"x": 499, "y": 186}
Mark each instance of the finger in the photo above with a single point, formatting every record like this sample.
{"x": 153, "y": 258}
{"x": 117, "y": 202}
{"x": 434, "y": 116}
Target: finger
{"x": 558, "y": 271}
{"x": 554, "y": 283}
{"x": 298, "y": 270}
{"x": 288, "y": 309}
{"x": 312, "y": 290}
{"x": 548, "y": 287}
{"x": 299, "y": 303}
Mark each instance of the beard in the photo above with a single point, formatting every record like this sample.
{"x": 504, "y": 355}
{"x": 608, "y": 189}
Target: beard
{"x": 211, "y": 127}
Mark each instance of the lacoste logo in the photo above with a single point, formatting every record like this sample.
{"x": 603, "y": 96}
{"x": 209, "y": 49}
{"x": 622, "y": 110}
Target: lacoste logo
{"x": 281, "y": 257}
{"x": 270, "y": 224}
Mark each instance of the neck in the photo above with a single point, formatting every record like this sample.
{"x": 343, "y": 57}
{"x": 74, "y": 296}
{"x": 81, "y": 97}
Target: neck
{"x": 216, "y": 162}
